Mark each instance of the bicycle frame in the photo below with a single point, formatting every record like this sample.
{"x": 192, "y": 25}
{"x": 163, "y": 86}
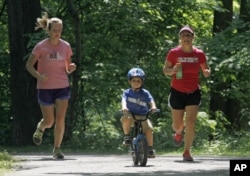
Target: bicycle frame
{"x": 139, "y": 144}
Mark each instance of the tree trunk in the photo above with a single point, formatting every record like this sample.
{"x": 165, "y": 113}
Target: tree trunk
{"x": 230, "y": 107}
{"x": 244, "y": 14}
{"x": 221, "y": 21}
{"x": 72, "y": 118}
{"x": 22, "y": 16}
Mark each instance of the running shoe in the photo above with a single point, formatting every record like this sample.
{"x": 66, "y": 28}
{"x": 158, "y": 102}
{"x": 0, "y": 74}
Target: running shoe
{"x": 57, "y": 153}
{"x": 177, "y": 139}
{"x": 187, "y": 156}
{"x": 38, "y": 135}
{"x": 126, "y": 140}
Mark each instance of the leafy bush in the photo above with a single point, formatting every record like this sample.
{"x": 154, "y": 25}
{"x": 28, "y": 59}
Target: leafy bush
{"x": 5, "y": 160}
{"x": 5, "y": 104}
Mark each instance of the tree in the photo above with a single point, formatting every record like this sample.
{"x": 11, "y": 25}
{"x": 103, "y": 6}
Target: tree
{"x": 72, "y": 118}
{"x": 223, "y": 17}
{"x": 22, "y": 16}
{"x": 222, "y": 20}
{"x": 244, "y": 11}
{"x": 230, "y": 87}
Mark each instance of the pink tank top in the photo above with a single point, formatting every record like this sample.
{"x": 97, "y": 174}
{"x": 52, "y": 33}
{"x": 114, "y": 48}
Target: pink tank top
{"x": 52, "y": 62}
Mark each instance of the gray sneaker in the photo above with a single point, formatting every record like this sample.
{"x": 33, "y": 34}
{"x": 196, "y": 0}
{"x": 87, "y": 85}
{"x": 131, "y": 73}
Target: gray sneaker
{"x": 38, "y": 135}
{"x": 57, "y": 153}
{"x": 126, "y": 140}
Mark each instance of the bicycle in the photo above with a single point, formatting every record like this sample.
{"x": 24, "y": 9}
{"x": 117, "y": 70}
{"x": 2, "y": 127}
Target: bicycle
{"x": 139, "y": 144}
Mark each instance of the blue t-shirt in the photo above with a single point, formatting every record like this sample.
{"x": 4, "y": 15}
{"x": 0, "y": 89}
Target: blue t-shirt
{"x": 137, "y": 101}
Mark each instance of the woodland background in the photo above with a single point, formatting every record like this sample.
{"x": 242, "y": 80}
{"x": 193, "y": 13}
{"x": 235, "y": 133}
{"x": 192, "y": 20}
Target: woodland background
{"x": 109, "y": 37}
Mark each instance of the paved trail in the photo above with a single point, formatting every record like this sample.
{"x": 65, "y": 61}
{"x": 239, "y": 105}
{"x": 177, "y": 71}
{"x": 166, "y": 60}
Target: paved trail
{"x": 117, "y": 165}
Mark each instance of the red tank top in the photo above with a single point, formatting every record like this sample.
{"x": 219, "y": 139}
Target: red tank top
{"x": 190, "y": 68}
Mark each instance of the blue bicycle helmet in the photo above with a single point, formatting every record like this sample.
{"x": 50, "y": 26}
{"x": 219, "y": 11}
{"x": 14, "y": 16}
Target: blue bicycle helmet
{"x": 136, "y": 72}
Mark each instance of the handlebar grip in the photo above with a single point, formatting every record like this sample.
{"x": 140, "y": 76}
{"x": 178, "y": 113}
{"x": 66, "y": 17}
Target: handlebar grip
{"x": 158, "y": 110}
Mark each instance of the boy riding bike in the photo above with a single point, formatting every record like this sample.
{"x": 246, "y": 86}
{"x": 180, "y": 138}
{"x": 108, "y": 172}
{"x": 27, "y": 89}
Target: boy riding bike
{"x": 138, "y": 101}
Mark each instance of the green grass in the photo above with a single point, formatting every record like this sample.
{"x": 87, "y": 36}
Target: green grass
{"x": 6, "y": 162}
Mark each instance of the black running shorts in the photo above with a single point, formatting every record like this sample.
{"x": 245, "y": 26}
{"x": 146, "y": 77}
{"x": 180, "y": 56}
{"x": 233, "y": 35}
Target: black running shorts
{"x": 179, "y": 100}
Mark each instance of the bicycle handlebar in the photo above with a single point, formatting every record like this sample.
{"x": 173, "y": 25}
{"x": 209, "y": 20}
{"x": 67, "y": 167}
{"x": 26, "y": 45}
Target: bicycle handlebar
{"x": 150, "y": 111}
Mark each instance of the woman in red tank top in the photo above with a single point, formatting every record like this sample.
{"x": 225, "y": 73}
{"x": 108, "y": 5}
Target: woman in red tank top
{"x": 184, "y": 63}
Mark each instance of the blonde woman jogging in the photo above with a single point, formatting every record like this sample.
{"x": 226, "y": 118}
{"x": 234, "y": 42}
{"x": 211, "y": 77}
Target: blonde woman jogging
{"x": 53, "y": 58}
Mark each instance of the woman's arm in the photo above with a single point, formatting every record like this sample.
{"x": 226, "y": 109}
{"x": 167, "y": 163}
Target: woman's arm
{"x": 206, "y": 70}
{"x": 70, "y": 67}
{"x": 31, "y": 69}
{"x": 169, "y": 69}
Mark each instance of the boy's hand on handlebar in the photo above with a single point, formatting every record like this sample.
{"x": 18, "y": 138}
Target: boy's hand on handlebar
{"x": 153, "y": 110}
{"x": 125, "y": 111}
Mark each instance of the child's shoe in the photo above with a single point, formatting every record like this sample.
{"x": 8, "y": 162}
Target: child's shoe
{"x": 126, "y": 140}
{"x": 151, "y": 152}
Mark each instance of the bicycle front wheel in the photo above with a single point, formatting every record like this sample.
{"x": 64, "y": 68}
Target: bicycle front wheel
{"x": 142, "y": 151}
{"x": 134, "y": 152}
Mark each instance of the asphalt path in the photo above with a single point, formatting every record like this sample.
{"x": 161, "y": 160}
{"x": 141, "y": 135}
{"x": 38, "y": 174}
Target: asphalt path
{"x": 117, "y": 165}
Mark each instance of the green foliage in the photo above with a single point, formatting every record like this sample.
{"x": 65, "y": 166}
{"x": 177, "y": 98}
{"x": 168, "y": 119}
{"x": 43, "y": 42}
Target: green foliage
{"x": 208, "y": 130}
{"x": 205, "y": 126}
{"x": 230, "y": 64}
{"x": 3, "y": 30}
{"x": 233, "y": 144}
{"x": 100, "y": 134}
{"x": 5, "y": 106}
{"x": 5, "y": 161}
{"x": 163, "y": 132}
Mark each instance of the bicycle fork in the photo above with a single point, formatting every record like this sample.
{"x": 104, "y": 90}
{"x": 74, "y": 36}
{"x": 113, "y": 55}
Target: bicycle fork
{"x": 135, "y": 141}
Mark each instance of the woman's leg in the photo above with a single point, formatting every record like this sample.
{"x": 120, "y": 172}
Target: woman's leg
{"x": 191, "y": 115}
{"x": 48, "y": 112}
{"x": 177, "y": 119}
{"x": 61, "y": 109}
{"x": 178, "y": 125}
{"x": 46, "y": 122}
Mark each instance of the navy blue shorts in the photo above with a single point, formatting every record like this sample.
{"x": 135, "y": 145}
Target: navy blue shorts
{"x": 179, "y": 100}
{"x": 49, "y": 96}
